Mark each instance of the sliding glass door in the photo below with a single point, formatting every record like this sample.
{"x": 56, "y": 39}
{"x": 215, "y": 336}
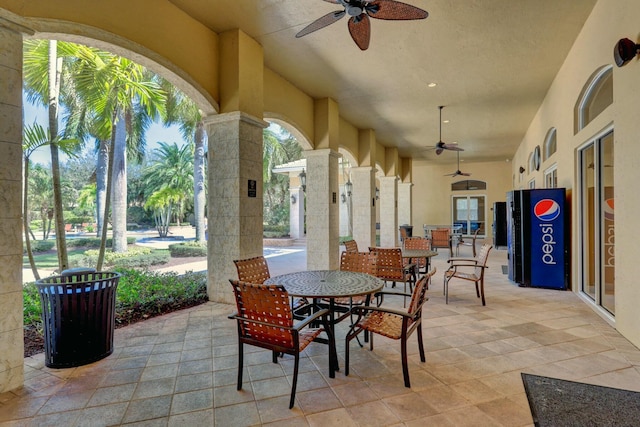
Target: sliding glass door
{"x": 469, "y": 212}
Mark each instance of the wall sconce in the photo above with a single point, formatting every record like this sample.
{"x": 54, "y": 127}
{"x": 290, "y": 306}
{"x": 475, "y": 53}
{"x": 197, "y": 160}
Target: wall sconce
{"x": 343, "y": 197}
{"x": 293, "y": 199}
{"x": 303, "y": 180}
{"x": 377, "y": 193}
{"x": 348, "y": 186}
{"x": 624, "y": 51}
{"x": 521, "y": 169}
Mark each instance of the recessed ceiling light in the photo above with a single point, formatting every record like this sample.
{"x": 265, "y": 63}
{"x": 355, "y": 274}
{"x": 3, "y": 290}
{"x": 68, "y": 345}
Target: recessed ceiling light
{"x": 432, "y": 84}
{"x": 445, "y": 121}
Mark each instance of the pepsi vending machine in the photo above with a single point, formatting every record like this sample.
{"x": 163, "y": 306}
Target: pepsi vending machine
{"x": 537, "y": 238}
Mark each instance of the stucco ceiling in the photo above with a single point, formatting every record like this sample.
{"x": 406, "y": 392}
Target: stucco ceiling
{"x": 492, "y": 60}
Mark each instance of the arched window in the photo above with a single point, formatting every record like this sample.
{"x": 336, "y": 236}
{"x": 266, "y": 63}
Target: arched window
{"x": 531, "y": 163}
{"x": 596, "y": 95}
{"x": 550, "y": 143}
{"x": 468, "y": 184}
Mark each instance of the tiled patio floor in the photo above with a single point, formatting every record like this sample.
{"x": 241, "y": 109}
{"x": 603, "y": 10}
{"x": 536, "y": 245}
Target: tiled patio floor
{"x": 180, "y": 369}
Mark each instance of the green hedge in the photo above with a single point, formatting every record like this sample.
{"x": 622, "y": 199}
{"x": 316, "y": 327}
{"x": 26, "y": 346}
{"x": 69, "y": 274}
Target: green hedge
{"x": 133, "y": 258}
{"x": 188, "y": 249}
{"x": 41, "y": 246}
{"x": 274, "y": 231}
{"x": 93, "y": 242}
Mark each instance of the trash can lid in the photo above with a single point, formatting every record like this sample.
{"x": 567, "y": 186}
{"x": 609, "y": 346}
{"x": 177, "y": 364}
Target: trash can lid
{"x": 77, "y": 270}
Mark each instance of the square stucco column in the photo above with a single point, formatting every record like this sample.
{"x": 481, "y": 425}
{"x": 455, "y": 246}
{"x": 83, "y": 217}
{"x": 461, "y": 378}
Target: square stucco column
{"x": 322, "y": 210}
{"x": 388, "y": 211}
{"x": 296, "y": 213}
{"x": 11, "y": 317}
{"x": 404, "y": 204}
{"x": 363, "y": 209}
{"x": 235, "y": 198}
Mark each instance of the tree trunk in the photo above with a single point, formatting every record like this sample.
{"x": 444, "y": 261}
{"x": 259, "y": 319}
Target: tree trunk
{"x": 102, "y": 167}
{"x": 119, "y": 188}
{"x": 25, "y": 220}
{"x": 105, "y": 222}
{"x": 55, "y": 69}
{"x": 199, "y": 196}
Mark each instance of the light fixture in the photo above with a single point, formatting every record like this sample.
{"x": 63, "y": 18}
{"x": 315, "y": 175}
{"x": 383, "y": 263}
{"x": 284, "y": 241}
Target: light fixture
{"x": 293, "y": 199}
{"x": 344, "y": 198}
{"x": 432, "y": 84}
{"x": 624, "y": 51}
{"x": 521, "y": 169}
{"x": 377, "y": 193}
{"x": 303, "y": 180}
{"x": 348, "y": 186}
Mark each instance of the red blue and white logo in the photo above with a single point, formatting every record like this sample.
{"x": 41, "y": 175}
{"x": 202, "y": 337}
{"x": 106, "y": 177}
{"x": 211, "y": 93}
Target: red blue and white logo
{"x": 546, "y": 210}
{"x": 608, "y": 209}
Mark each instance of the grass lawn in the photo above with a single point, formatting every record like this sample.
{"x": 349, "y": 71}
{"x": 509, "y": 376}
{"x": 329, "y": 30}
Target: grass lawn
{"x": 48, "y": 259}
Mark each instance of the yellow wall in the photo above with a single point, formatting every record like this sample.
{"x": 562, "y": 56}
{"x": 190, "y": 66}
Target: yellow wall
{"x": 609, "y": 21}
{"x": 432, "y": 190}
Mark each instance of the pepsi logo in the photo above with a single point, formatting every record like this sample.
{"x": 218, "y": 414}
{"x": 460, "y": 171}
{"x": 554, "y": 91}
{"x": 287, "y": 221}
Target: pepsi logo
{"x": 608, "y": 209}
{"x": 546, "y": 210}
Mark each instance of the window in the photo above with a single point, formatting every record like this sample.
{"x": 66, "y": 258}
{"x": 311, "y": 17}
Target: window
{"x": 551, "y": 177}
{"x": 596, "y": 96}
{"x": 532, "y": 163}
{"x": 532, "y": 184}
{"x": 468, "y": 185}
{"x": 550, "y": 143}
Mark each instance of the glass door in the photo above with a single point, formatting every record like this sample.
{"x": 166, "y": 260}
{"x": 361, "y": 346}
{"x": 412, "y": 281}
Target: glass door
{"x": 469, "y": 213}
{"x": 597, "y": 238}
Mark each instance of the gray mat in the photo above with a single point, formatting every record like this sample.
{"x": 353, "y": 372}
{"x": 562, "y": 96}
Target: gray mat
{"x": 558, "y": 403}
{"x": 505, "y": 269}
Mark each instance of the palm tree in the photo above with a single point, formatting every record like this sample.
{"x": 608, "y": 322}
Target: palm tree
{"x": 183, "y": 111}
{"x": 162, "y": 202}
{"x": 174, "y": 170}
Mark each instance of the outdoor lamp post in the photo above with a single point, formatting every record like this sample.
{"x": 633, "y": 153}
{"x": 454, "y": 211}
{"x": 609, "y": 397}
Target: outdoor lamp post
{"x": 348, "y": 187}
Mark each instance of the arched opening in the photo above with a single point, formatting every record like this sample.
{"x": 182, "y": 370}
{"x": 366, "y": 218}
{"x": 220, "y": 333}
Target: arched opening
{"x": 550, "y": 143}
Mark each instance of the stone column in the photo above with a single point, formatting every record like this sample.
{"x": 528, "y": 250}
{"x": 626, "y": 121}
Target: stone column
{"x": 235, "y": 197}
{"x": 11, "y": 320}
{"x": 322, "y": 210}
{"x": 389, "y": 212}
{"x": 296, "y": 213}
{"x": 363, "y": 206}
{"x": 404, "y": 205}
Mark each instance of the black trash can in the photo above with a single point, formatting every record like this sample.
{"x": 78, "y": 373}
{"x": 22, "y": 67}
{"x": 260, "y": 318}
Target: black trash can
{"x": 78, "y": 316}
{"x": 408, "y": 229}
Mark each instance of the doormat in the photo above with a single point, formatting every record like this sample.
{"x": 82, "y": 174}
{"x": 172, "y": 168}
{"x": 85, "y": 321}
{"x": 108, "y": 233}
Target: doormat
{"x": 557, "y": 403}
{"x": 505, "y": 269}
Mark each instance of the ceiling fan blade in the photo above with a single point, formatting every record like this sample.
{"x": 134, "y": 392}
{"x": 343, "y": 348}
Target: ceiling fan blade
{"x": 439, "y": 150}
{"x": 360, "y": 30}
{"x": 321, "y": 22}
{"x": 464, "y": 174}
{"x": 394, "y": 10}
{"x": 452, "y": 147}
{"x": 333, "y": 1}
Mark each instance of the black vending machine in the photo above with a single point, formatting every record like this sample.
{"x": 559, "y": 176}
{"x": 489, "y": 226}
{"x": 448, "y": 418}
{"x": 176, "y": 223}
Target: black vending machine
{"x": 537, "y": 238}
{"x": 500, "y": 224}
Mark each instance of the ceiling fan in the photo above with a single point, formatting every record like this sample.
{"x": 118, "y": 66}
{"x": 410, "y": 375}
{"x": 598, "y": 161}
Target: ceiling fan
{"x": 441, "y": 146}
{"x": 359, "y": 12}
{"x": 458, "y": 171}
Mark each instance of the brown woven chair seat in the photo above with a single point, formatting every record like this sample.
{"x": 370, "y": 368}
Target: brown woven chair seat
{"x": 386, "y": 324}
{"x": 471, "y": 270}
{"x": 462, "y": 275}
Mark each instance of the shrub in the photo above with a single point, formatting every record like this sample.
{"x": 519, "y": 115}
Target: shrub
{"x": 41, "y": 245}
{"x": 188, "y": 249}
{"x": 93, "y": 242}
{"x": 273, "y": 231}
{"x": 134, "y": 257}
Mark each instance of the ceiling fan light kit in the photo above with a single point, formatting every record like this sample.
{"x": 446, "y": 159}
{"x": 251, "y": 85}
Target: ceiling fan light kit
{"x": 359, "y": 12}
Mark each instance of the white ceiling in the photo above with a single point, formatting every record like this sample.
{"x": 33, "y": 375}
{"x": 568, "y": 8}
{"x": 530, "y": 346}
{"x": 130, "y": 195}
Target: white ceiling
{"x": 492, "y": 60}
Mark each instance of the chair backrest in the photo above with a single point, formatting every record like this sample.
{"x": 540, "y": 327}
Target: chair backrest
{"x": 482, "y": 259}
{"x": 440, "y": 238}
{"x": 351, "y": 246}
{"x": 268, "y": 304}
{"x": 389, "y": 265}
{"x": 252, "y": 270}
{"x": 417, "y": 243}
{"x": 360, "y": 262}
{"x": 403, "y": 234}
{"x": 419, "y": 293}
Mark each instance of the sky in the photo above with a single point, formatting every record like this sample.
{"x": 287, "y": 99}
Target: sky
{"x": 156, "y": 132}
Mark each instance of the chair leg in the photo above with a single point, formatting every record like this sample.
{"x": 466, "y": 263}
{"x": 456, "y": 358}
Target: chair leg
{"x": 405, "y": 365}
{"x": 333, "y": 355}
{"x": 295, "y": 379}
{"x": 274, "y": 356}
{"x": 353, "y": 333}
{"x": 482, "y": 291}
{"x": 477, "y": 290}
{"x": 240, "y": 362}
{"x": 420, "y": 343}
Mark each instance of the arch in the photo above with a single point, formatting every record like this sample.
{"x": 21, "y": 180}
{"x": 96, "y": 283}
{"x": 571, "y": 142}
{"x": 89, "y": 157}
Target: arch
{"x": 87, "y": 35}
{"x": 531, "y": 167}
{"x": 468, "y": 184}
{"x": 595, "y": 97}
{"x": 291, "y": 127}
{"x": 550, "y": 143}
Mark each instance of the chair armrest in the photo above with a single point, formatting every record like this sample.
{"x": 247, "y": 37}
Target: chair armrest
{"x": 454, "y": 260}
{"x": 304, "y": 322}
{"x": 382, "y": 293}
{"x": 366, "y": 308}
